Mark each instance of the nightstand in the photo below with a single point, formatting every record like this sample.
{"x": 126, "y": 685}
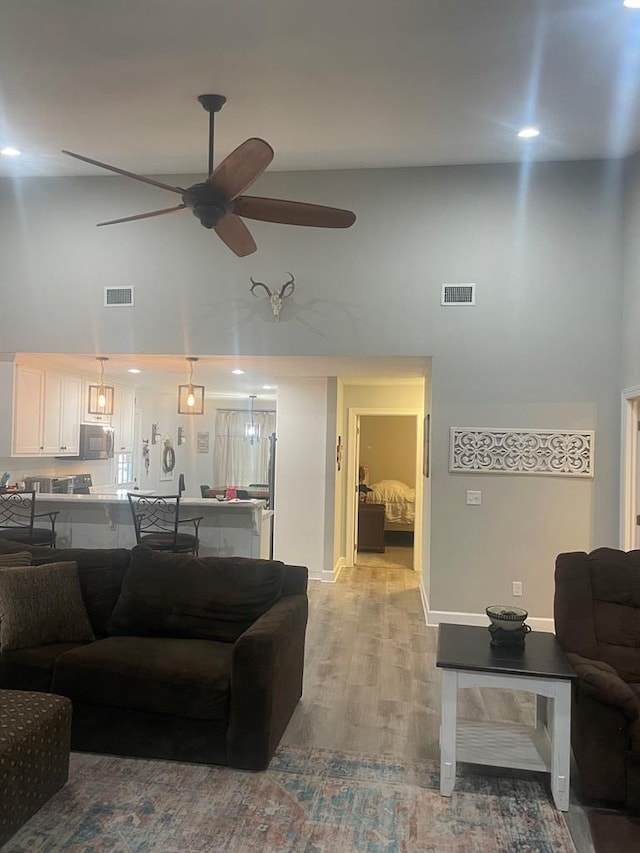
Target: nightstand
{"x": 370, "y": 527}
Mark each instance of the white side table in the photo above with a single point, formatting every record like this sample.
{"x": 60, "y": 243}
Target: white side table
{"x": 468, "y": 660}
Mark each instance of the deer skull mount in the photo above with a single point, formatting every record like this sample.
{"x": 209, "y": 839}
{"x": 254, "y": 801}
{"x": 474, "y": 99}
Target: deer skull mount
{"x": 276, "y": 297}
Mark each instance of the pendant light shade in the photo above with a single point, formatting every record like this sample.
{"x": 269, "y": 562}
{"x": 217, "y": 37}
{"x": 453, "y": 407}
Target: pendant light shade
{"x": 190, "y": 396}
{"x": 251, "y": 429}
{"x": 101, "y": 396}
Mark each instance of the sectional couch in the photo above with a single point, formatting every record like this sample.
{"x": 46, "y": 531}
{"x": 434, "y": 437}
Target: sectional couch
{"x": 162, "y": 655}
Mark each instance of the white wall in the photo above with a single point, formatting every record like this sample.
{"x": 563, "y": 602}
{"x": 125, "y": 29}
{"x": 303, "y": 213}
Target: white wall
{"x": 541, "y": 347}
{"x": 302, "y": 472}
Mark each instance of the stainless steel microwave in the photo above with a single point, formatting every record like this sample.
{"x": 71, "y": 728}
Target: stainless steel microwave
{"x": 96, "y": 441}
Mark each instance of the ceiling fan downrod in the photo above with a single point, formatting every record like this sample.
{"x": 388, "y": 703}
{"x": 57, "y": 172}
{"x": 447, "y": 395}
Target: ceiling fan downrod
{"x": 212, "y": 104}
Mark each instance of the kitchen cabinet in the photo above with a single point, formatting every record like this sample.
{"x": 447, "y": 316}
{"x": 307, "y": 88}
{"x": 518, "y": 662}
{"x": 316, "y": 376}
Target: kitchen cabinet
{"x": 370, "y": 527}
{"x": 28, "y": 407}
{"x": 61, "y": 415}
{"x": 122, "y": 420}
{"x": 46, "y": 412}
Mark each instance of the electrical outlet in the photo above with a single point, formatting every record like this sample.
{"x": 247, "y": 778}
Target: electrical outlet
{"x": 474, "y": 498}
{"x": 516, "y": 588}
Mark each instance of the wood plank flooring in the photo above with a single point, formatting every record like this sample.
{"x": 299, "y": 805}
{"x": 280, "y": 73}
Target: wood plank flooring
{"x": 371, "y": 684}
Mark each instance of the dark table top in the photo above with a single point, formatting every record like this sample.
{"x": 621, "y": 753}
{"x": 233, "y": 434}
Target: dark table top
{"x": 468, "y": 647}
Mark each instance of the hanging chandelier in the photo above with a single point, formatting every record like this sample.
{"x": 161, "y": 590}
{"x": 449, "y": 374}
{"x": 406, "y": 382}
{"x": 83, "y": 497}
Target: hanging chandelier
{"x": 101, "y": 396}
{"x": 251, "y": 428}
{"x": 190, "y": 396}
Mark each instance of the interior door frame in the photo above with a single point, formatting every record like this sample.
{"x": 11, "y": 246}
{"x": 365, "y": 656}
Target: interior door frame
{"x": 353, "y": 416}
{"x": 629, "y": 461}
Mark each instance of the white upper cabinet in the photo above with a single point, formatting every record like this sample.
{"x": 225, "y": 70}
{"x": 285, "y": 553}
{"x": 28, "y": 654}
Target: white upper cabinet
{"x": 61, "y": 415}
{"x": 46, "y": 412}
{"x": 28, "y": 403}
{"x": 122, "y": 420}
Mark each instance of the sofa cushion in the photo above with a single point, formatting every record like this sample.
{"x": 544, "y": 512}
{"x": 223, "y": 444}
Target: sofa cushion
{"x": 101, "y": 571}
{"x": 32, "y": 668}
{"x": 40, "y": 605}
{"x": 184, "y": 678}
{"x": 19, "y": 558}
{"x": 177, "y": 595}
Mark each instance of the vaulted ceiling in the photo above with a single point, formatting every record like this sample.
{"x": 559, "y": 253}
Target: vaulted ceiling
{"x": 331, "y": 85}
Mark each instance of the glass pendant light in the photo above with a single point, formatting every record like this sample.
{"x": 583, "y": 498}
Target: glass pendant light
{"x": 101, "y": 396}
{"x": 190, "y": 396}
{"x": 251, "y": 429}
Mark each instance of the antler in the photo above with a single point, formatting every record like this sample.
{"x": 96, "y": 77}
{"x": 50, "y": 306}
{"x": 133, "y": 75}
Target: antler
{"x": 288, "y": 287}
{"x": 260, "y": 284}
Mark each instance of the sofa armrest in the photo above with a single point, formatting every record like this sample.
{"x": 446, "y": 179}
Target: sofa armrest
{"x": 266, "y": 682}
{"x": 599, "y": 680}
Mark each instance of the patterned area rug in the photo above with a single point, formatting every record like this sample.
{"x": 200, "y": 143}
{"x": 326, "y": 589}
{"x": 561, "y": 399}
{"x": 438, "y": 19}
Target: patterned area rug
{"x": 311, "y": 800}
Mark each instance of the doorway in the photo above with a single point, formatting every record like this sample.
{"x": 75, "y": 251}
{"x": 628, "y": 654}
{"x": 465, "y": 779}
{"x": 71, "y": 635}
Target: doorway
{"x": 387, "y": 447}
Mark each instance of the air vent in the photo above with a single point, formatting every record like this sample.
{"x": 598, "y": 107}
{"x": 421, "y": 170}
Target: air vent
{"x": 458, "y": 294}
{"x": 118, "y": 297}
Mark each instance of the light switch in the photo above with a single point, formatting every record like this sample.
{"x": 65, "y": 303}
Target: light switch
{"x": 474, "y": 498}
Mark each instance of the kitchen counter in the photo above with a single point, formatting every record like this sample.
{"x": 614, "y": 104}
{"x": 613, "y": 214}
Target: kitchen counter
{"x": 228, "y": 528}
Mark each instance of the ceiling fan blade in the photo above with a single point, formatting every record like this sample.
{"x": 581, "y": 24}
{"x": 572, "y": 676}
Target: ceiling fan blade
{"x": 115, "y": 169}
{"x": 232, "y": 231}
{"x": 145, "y": 215}
{"x": 241, "y": 168}
{"x": 292, "y": 212}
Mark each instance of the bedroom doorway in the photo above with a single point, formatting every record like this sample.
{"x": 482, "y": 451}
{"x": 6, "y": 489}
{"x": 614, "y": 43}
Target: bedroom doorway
{"x": 385, "y": 510}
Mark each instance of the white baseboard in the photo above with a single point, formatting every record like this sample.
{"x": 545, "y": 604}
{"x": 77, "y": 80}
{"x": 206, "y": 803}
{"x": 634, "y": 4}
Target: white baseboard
{"x": 436, "y": 617}
{"x": 329, "y": 576}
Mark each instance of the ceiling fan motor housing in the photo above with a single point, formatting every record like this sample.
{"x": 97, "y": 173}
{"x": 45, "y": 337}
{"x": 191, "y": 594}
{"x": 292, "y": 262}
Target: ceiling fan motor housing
{"x": 206, "y": 203}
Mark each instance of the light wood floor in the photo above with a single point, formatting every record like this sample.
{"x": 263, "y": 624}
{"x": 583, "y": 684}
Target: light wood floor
{"x": 371, "y": 684}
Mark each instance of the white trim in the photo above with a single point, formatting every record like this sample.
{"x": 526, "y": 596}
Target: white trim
{"x": 437, "y": 617}
{"x": 630, "y": 414}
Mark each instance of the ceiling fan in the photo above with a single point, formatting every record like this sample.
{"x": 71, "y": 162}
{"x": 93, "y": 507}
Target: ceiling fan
{"x": 218, "y": 202}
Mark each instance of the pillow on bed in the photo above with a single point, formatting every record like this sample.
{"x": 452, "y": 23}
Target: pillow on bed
{"x": 389, "y": 490}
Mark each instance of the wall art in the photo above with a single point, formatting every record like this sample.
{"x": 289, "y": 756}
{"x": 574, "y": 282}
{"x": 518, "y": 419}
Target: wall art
{"x": 559, "y": 453}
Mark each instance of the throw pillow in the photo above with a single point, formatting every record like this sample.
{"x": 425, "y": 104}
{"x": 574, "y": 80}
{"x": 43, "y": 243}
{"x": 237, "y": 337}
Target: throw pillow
{"x": 20, "y": 558}
{"x": 177, "y": 595}
{"x": 8, "y": 546}
{"x": 41, "y": 605}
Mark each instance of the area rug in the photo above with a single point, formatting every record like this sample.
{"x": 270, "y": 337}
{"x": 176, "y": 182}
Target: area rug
{"x": 614, "y": 833}
{"x": 308, "y": 801}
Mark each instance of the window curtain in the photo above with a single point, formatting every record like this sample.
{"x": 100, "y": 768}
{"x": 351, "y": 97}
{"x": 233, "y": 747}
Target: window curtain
{"x": 236, "y": 461}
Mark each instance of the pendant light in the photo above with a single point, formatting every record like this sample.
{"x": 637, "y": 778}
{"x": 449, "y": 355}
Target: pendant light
{"x": 190, "y": 396}
{"x": 251, "y": 429}
{"x": 101, "y": 396}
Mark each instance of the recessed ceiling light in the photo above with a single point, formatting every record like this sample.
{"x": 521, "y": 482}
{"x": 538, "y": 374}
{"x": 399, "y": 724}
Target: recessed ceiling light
{"x": 632, "y": 4}
{"x": 237, "y": 371}
{"x": 133, "y": 370}
{"x": 9, "y": 151}
{"x": 528, "y": 133}
{"x": 268, "y": 387}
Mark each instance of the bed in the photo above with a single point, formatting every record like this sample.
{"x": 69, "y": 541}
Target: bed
{"x": 399, "y": 503}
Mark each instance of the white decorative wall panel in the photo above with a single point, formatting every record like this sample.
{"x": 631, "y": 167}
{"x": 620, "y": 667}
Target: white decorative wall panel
{"x": 560, "y": 453}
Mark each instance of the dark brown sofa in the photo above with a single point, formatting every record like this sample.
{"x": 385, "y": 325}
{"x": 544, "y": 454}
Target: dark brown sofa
{"x": 193, "y": 659}
{"x": 597, "y": 621}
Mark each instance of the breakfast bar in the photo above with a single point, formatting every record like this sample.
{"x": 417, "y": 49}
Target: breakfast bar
{"x": 228, "y": 528}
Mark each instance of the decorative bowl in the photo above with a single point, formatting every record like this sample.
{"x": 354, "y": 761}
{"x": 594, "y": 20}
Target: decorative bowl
{"x": 506, "y": 617}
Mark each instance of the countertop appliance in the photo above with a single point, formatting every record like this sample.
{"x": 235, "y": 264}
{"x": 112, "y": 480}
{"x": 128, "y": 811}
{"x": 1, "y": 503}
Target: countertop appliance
{"x": 48, "y": 485}
{"x": 96, "y": 441}
{"x": 81, "y": 484}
